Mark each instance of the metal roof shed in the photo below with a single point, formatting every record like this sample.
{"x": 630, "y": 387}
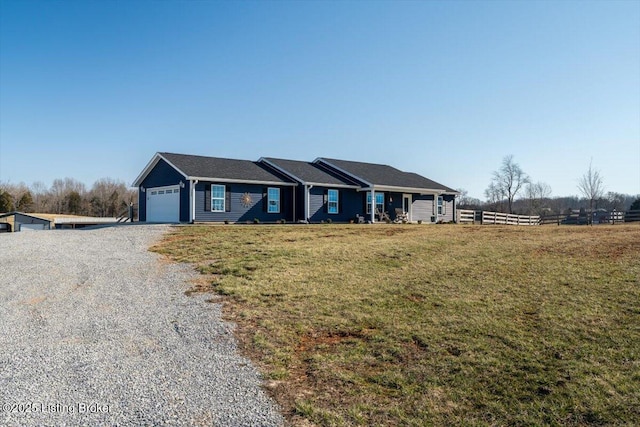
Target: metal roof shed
{"x": 19, "y": 221}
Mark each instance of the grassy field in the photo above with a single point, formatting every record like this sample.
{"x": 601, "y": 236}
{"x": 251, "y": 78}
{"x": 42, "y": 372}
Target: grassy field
{"x": 432, "y": 325}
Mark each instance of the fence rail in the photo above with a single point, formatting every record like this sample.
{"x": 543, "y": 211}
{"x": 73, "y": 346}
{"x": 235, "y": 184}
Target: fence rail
{"x": 592, "y": 218}
{"x": 465, "y": 216}
{"x": 486, "y": 217}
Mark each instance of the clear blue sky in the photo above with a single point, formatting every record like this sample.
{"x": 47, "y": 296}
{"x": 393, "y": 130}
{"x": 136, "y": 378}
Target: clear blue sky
{"x": 92, "y": 89}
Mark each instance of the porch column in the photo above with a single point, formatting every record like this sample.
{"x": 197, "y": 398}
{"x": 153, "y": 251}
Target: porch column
{"x": 192, "y": 199}
{"x": 293, "y": 196}
{"x": 373, "y": 205}
{"x": 307, "y": 201}
{"x": 435, "y": 206}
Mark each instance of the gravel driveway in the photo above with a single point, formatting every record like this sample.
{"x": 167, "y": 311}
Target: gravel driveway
{"x": 96, "y": 330}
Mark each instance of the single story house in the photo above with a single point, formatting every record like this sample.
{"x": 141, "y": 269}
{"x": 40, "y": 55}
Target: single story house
{"x": 18, "y": 221}
{"x": 187, "y": 188}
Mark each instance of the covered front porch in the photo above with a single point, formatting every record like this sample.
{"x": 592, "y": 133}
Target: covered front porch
{"x": 408, "y": 205}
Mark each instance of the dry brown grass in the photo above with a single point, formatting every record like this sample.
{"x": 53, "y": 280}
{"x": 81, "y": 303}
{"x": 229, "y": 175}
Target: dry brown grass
{"x": 433, "y": 325}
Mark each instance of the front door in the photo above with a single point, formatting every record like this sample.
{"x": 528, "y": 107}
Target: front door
{"x": 406, "y": 205}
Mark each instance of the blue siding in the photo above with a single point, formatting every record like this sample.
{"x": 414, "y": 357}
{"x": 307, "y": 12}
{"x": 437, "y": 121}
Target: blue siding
{"x": 350, "y": 203}
{"x": 142, "y": 205}
{"x": 393, "y": 201}
{"x": 162, "y": 175}
{"x": 300, "y": 203}
{"x": 240, "y": 213}
{"x": 184, "y": 202}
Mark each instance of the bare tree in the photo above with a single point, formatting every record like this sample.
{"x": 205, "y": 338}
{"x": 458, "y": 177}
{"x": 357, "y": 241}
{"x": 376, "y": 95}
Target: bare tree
{"x": 507, "y": 182}
{"x": 591, "y": 185}
{"x": 615, "y": 201}
{"x": 108, "y": 197}
{"x": 40, "y": 195}
{"x": 464, "y": 201}
{"x": 495, "y": 197}
{"x": 56, "y": 195}
{"x": 535, "y": 194}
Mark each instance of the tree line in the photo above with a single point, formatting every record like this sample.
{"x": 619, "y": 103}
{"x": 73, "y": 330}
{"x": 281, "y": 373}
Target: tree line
{"x": 106, "y": 197}
{"x": 511, "y": 190}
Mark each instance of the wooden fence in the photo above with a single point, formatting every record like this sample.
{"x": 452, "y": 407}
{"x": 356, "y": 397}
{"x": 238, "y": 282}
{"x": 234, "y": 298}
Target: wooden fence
{"x": 465, "y": 216}
{"x": 486, "y": 217}
{"x": 592, "y": 218}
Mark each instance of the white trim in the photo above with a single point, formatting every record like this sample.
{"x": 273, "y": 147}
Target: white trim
{"x": 302, "y": 181}
{"x": 269, "y": 200}
{"x": 372, "y": 209}
{"x": 307, "y": 201}
{"x": 374, "y": 204}
{"x": 327, "y": 185}
{"x": 224, "y": 197}
{"x": 337, "y": 201}
{"x": 440, "y": 212}
{"x": 357, "y": 178}
{"x": 281, "y": 170}
{"x": 152, "y": 163}
{"x": 422, "y": 191}
{"x": 243, "y": 181}
{"x": 410, "y": 197}
{"x": 383, "y": 187}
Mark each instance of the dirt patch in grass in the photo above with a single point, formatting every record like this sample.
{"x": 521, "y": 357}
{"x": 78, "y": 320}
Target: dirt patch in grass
{"x": 432, "y": 325}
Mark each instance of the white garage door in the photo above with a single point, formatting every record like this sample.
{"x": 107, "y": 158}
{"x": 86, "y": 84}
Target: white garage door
{"x": 31, "y": 227}
{"x": 163, "y": 204}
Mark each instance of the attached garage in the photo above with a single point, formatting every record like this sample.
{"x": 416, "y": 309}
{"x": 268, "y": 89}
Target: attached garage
{"x": 163, "y": 204}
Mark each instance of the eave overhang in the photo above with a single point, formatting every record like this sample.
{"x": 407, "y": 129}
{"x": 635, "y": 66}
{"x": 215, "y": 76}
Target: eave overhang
{"x": 152, "y": 163}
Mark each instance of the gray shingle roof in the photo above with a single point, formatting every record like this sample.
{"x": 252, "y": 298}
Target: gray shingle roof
{"x": 384, "y": 175}
{"x": 311, "y": 173}
{"x": 220, "y": 168}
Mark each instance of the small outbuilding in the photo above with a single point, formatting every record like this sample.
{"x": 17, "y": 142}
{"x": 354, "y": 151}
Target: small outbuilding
{"x": 18, "y": 221}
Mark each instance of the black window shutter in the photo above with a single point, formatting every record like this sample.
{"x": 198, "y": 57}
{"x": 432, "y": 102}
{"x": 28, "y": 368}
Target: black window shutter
{"x": 325, "y": 201}
{"x": 265, "y": 199}
{"x": 364, "y": 203}
{"x": 339, "y": 202}
{"x": 207, "y": 198}
{"x": 280, "y": 200}
{"x": 227, "y": 200}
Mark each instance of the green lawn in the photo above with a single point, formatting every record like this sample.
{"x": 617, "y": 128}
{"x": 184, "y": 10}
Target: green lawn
{"x": 432, "y": 325}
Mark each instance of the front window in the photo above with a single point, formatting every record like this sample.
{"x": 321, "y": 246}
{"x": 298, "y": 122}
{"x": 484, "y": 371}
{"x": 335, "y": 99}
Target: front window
{"x": 379, "y": 202}
{"x": 217, "y": 198}
{"x": 273, "y": 200}
{"x": 440, "y": 205}
{"x": 332, "y": 201}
